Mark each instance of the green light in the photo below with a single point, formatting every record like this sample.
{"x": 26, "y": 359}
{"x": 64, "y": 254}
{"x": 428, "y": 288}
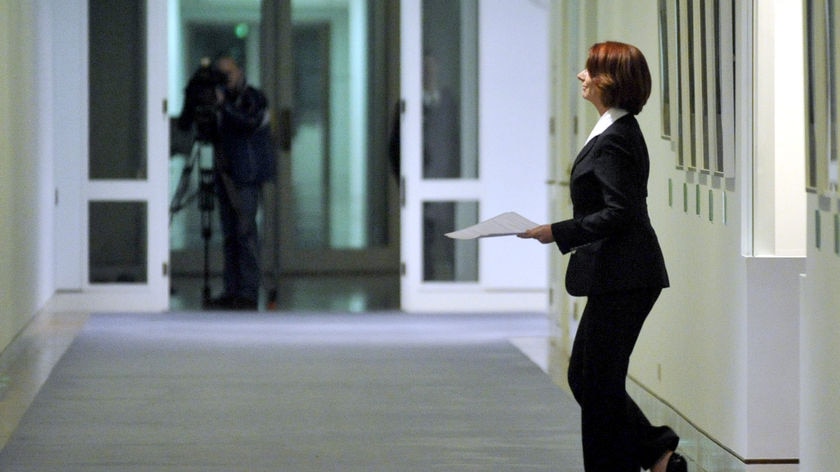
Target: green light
{"x": 242, "y": 30}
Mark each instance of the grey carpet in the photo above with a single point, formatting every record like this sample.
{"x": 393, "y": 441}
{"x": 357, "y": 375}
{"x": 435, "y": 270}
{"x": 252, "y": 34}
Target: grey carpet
{"x": 308, "y": 392}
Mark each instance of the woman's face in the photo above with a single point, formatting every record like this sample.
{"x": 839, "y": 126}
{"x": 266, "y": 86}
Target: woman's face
{"x": 590, "y": 91}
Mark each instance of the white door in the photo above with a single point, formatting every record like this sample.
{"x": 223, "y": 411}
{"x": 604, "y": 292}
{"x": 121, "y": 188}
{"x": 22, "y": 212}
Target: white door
{"x": 573, "y": 117}
{"x": 569, "y": 114}
{"x": 112, "y": 188}
{"x": 475, "y": 132}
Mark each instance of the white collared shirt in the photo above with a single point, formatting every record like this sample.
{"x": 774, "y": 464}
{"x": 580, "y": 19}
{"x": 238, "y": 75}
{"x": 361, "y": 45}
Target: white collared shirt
{"x": 608, "y": 118}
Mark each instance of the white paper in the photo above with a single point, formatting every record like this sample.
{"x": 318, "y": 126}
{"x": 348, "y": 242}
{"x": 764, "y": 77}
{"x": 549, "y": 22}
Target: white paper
{"x": 506, "y": 224}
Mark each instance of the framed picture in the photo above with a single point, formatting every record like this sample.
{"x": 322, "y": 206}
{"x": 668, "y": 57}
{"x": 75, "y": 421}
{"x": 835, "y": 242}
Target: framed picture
{"x": 696, "y": 42}
{"x": 667, "y": 41}
{"x": 818, "y": 78}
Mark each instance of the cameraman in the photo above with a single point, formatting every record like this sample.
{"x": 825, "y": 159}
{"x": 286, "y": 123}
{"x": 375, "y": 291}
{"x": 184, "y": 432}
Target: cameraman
{"x": 244, "y": 160}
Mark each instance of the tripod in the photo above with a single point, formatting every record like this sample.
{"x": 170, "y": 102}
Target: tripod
{"x": 205, "y": 194}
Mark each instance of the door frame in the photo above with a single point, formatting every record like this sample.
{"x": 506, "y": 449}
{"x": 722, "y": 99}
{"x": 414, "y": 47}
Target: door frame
{"x": 573, "y": 24}
{"x": 74, "y": 191}
{"x": 280, "y": 257}
{"x": 513, "y": 275}
{"x": 286, "y": 259}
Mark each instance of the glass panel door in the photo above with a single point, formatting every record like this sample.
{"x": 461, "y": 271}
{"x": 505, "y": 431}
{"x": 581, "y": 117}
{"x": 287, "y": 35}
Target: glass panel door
{"x": 117, "y": 230}
{"x": 328, "y": 71}
{"x": 440, "y": 164}
{"x": 450, "y": 140}
{"x": 126, "y": 178}
{"x": 337, "y": 187}
{"x": 200, "y": 32}
{"x": 474, "y": 140}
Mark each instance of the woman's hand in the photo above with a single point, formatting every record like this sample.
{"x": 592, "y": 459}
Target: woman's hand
{"x": 541, "y": 233}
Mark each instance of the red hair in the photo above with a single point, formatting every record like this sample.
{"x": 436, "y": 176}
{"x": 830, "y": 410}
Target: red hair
{"x": 621, "y": 73}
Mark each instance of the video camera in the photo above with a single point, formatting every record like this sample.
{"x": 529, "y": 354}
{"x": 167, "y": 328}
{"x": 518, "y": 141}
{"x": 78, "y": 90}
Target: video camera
{"x": 200, "y": 102}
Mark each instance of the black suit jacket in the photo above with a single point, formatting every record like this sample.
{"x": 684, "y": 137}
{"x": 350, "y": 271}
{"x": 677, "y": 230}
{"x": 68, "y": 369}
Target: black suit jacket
{"x": 613, "y": 244}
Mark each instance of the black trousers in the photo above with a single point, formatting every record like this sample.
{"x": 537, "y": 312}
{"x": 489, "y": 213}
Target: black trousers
{"x": 617, "y": 437}
{"x": 240, "y": 243}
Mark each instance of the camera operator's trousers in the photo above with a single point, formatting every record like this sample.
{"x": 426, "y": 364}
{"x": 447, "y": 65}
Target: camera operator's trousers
{"x": 240, "y": 239}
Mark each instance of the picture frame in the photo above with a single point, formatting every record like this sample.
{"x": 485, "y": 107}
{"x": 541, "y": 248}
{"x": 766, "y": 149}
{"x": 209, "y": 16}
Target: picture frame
{"x": 696, "y": 39}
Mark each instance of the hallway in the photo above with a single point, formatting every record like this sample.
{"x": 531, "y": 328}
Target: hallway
{"x": 292, "y": 391}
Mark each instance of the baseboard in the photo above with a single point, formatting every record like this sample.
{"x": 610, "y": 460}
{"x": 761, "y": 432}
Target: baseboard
{"x": 703, "y": 453}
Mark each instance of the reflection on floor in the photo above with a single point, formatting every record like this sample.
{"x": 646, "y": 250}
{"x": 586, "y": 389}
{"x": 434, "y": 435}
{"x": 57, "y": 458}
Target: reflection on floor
{"x": 346, "y": 293}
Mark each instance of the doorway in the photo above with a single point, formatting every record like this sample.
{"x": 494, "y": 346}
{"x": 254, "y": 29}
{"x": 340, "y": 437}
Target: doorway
{"x": 330, "y": 221}
{"x": 474, "y": 78}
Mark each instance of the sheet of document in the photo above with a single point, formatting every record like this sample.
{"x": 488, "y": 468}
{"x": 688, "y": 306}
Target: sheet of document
{"x": 506, "y": 224}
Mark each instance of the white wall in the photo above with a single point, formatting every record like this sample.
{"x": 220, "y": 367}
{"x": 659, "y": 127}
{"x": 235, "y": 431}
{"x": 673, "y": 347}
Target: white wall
{"x": 25, "y": 165}
{"x": 820, "y": 352}
{"x": 69, "y": 134}
{"x": 779, "y": 130}
{"x": 693, "y": 349}
{"x": 514, "y": 95}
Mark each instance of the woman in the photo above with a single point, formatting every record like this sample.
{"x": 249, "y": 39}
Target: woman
{"x": 616, "y": 262}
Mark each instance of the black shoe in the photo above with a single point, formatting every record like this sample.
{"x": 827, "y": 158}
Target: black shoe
{"x": 223, "y": 302}
{"x": 245, "y": 304}
{"x": 676, "y": 463}
{"x": 231, "y": 302}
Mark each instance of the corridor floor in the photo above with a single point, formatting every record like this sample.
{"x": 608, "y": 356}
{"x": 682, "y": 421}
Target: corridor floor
{"x": 283, "y": 391}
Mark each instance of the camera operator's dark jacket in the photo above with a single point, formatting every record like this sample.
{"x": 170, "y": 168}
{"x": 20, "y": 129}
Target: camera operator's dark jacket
{"x": 245, "y": 138}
